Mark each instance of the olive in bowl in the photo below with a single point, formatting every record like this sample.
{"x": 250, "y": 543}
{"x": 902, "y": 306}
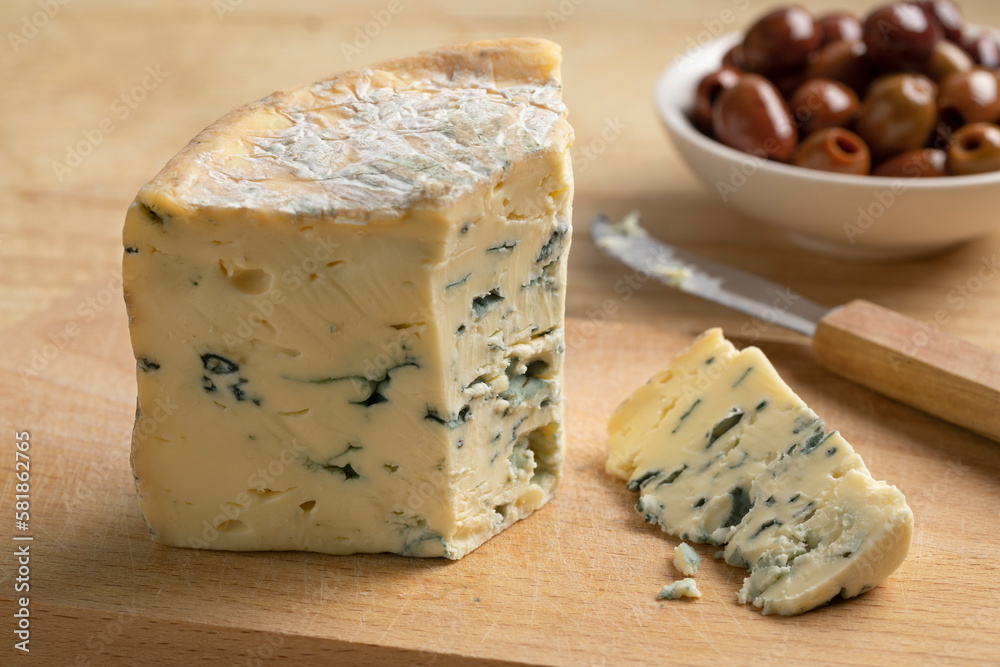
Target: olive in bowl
{"x": 900, "y": 35}
{"x": 781, "y": 41}
{"x": 822, "y": 103}
{"x": 899, "y": 114}
{"x": 874, "y": 217}
{"x": 751, "y": 116}
{"x": 974, "y": 149}
{"x": 973, "y": 94}
{"x": 834, "y": 149}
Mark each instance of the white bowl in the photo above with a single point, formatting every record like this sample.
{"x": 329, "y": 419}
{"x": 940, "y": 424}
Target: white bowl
{"x": 849, "y": 217}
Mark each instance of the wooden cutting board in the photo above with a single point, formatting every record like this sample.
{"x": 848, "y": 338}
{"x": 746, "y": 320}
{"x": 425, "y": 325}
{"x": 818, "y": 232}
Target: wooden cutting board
{"x": 575, "y": 584}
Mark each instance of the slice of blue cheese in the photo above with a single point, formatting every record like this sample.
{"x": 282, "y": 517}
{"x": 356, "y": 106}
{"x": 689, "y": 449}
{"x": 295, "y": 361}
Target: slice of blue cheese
{"x": 347, "y": 302}
{"x": 721, "y": 451}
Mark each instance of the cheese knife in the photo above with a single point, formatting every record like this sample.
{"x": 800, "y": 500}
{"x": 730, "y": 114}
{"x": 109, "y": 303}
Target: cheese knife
{"x": 878, "y": 348}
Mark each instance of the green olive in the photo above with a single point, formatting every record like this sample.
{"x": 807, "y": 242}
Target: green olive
{"x": 899, "y": 113}
{"x": 947, "y": 58}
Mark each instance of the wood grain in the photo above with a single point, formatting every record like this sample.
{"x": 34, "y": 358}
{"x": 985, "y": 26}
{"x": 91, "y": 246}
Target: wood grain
{"x": 916, "y": 364}
{"x": 575, "y": 584}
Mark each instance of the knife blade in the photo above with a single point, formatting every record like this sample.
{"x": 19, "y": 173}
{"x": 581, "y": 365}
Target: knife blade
{"x": 631, "y": 244}
{"x": 890, "y": 353}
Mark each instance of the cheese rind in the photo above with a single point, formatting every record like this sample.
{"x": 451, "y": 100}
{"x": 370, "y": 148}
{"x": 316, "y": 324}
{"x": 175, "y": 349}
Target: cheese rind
{"x": 351, "y": 297}
{"x": 721, "y": 451}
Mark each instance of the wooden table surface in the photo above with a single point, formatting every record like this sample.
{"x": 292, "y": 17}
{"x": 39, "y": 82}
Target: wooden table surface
{"x": 98, "y": 94}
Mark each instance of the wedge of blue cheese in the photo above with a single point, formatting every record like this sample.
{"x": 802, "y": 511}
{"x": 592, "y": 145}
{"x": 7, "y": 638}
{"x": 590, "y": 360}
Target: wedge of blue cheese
{"x": 721, "y": 451}
{"x": 350, "y": 297}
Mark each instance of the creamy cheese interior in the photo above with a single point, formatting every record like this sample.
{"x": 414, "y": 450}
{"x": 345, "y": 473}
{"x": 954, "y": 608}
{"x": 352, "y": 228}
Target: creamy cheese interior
{"x": 721, "y": 451}
{"x": 347, "y": 301}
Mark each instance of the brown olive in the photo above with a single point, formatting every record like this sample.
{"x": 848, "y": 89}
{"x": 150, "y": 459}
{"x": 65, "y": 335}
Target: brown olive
{"x": 781, "y": 41}
{"x": 898, "y": 114}
{"x": 947, "y": 15}
{"x": 918, "y": 163}
{"x": 734, "y": 58}
{"x": 752, "y": 117}
{"x": 948, "y": 122}
{"x": 823, "y": 103}
{"x": 975, "y": 149}
{"x": 947, "y": 58}
{"x": 900, "y": 35}
{"x": 839, "y": 27}
{"x": 841, "y": 61}
{"x": 707, "y": 91}
{"x": 787, "y": 83}
{"x": 984, "y": 49}
{"x": 834, "y": 149}
{"x": 974, "y": 94}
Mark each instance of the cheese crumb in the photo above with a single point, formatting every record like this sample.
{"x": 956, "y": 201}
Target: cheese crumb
{"x": 685, "y": 588}
{"x": 686, "y": 559}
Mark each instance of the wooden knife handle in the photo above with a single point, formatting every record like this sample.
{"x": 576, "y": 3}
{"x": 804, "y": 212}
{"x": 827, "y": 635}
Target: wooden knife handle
{"x": 913, "y": 363}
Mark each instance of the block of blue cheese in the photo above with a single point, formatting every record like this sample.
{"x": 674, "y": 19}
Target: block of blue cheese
{"x": 346, "y": 302}
{"x": 721, "y": 451}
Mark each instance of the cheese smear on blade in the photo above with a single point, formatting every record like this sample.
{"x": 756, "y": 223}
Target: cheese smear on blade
{"x": 721, "y": 451}
{"x": 346, "y": 302}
